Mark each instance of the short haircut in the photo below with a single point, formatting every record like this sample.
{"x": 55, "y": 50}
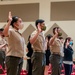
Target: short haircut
{"x": 38, "y": 21}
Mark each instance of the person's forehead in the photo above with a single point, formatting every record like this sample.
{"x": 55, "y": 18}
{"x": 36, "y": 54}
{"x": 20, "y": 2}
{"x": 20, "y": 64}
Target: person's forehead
{"x": 19, "y": 19}
{"x": 43, "y": 23}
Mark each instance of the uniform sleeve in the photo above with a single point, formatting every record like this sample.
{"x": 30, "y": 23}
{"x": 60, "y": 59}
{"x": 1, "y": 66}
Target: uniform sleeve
{"x": 33, "y": 34}
{"x": 10, "y": 32}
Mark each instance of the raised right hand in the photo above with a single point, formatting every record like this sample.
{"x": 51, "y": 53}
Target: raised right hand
{"x": 67, "y": 43}
{"x": 39, "y": 27}
{"x": 9, "y": 16}
{"x": 56, "y": 31}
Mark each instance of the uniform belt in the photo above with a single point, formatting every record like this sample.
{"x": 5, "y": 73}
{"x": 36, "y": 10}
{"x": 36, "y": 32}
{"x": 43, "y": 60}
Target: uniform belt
{"x": 37, "y": 51}
{"x": 57, "y": 53}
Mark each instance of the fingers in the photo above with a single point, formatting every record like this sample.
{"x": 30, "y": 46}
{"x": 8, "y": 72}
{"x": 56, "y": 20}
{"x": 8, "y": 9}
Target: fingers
{"x": 39, "y": 27}
{"x": 67, "y": 43}
{"x": 10, "y": 16}
{"x": 9, "y": 13}
{"x": 67, "y": 40}
{"x": 56, "y": 31}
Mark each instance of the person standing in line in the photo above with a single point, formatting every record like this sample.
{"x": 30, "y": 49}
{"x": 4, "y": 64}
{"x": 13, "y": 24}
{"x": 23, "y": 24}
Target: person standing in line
{"x": 62, "y": 49}
{"x": 38, "y": 42}
{"x": 15, "y": 52}
{"x": 55, "y": 48}
{"x": 3, "y": 49}
{"x": 29, "y": 54}
{"x": 68, "y": 56}
{"x": 47, "y": 54}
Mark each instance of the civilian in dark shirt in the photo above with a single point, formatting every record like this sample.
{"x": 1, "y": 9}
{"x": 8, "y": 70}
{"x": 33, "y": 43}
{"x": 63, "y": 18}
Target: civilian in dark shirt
{"x": 47, "y": 54}
{"x": 29, "y": 54}
{"x": 68, "y": 56}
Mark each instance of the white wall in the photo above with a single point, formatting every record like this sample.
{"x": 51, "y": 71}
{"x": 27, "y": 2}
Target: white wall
{"x": 44, "y": 13}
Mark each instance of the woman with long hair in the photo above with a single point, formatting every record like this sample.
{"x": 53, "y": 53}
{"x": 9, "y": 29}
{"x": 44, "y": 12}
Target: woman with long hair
{"x": 68, "y": 56}
{"x": 47, "y": 54}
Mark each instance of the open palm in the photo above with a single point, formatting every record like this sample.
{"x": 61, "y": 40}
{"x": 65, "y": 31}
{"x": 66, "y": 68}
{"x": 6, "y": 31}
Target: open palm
{"x": 39, "y": 28}
{"x": 10, "y": 16}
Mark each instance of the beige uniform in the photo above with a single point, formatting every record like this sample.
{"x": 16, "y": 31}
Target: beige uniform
{"x": 15, "y": 44}
{"x": 56, "y": 48}
{"x": 3, "y": 41}
{"x": 38, "y": 46}
{"x": 38, "y": 54}
{"x": 55, "y": 58}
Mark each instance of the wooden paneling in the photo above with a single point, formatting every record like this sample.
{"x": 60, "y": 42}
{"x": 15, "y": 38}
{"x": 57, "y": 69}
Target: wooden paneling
{"x": 62, "y": 11}
{"x": 28, "y": 12}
